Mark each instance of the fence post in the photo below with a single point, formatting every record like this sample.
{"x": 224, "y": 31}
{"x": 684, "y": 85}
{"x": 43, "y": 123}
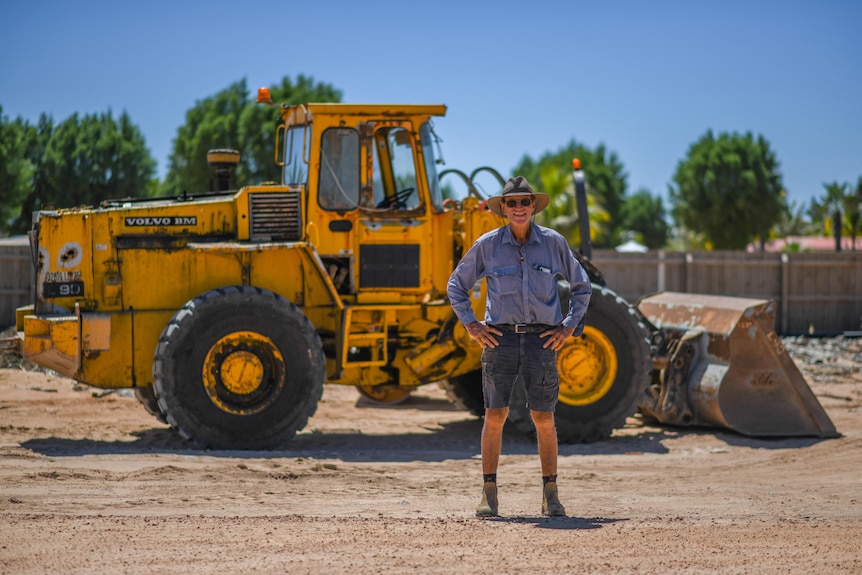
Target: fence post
{"x": 785, "y": 292}
{"x": 661, "y": 272}
{"x": 689, "y": 264}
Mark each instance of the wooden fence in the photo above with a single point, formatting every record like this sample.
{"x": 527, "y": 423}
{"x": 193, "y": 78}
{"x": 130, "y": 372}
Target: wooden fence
{"x": 819, "y": 293}
{"x": 15, "y": 278}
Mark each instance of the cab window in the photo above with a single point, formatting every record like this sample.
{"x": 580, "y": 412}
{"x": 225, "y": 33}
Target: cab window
{"x": 394, "y": 170}
{"x": 295, "y": 167}
{"x": 339, "y": 169}
{"x": 426, "y": 138}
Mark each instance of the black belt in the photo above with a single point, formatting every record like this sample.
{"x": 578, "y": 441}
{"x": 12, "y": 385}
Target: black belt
{"x": 522, "y": 327}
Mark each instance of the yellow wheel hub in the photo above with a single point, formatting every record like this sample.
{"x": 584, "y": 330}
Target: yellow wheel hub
{"x": 243, "y": 373}
{"x": 588, "y": 367}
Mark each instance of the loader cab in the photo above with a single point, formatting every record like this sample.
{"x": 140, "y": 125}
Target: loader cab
{"x": 372, "y": 198}
{"x": 393, "y": 187}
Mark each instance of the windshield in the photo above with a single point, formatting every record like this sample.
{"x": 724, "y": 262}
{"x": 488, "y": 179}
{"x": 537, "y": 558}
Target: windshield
{"x": 339, "y": 169}
{"x": 426, "y": 136}
{"x": 394, "y": 170}
{"x": 295, "y": 169}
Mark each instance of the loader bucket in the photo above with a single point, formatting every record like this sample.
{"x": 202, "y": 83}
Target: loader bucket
{"x": 726, "y": 367}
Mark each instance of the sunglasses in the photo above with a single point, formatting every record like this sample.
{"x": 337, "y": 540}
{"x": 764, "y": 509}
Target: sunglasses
{"x": 523, "y": 201}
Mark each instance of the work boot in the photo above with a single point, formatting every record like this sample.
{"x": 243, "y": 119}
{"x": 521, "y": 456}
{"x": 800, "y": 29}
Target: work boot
{"x": 551, "y": 505}
{"x": 488, "y": 506}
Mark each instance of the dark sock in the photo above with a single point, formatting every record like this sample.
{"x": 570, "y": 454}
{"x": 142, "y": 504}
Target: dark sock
{"x": 490, "y": 477}
{"x": 547, "y": 478}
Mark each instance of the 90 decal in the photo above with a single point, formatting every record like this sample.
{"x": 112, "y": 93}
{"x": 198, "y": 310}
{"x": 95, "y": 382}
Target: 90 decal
{"x": 62, "y": 289}
{"x": 67, "y": 281}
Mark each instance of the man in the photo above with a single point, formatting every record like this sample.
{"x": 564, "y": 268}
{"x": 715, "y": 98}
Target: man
{"x": 523, "y": 326}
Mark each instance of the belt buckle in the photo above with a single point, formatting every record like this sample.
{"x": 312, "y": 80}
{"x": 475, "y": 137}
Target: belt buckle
{"x": 520, "y": 328}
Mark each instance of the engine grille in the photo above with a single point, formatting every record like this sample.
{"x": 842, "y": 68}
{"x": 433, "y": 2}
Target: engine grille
{"x": 276, "y": 216}
{"x": 389, "y": 266}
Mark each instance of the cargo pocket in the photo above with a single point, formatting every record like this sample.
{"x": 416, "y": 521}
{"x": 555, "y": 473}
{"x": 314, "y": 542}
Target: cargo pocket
{"x": 488, "y": 371}
{"x": 551, "y": 383}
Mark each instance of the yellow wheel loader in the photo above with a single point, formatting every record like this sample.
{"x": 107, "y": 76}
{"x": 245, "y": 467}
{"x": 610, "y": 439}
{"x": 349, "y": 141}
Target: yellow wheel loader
{"x": 227, "y": 310}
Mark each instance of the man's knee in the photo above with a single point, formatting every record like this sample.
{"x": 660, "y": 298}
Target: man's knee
{"x": 542, "y": 418}
{"x": 496, "y": 417}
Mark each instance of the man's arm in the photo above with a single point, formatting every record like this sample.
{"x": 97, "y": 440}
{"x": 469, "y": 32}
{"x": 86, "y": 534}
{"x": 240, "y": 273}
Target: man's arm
{"x": 468, "y": 271}
{"x": 579, "y": 297}
{"x": 460, "y": 283}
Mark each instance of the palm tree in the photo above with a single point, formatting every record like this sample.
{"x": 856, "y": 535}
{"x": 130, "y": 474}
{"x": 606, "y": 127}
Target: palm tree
{"x": 792, "y": 222}
{"x": 833, "y": 201}
{"x": 562, "y": 213}
{"x": 852, "y": 204}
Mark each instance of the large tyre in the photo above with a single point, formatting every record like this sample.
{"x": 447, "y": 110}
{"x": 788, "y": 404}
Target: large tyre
{"x": 603, "y": 374}
{"x": 465, "y": 391}
{"x": 238, "y": 368}
{"x": 147, "y": 397}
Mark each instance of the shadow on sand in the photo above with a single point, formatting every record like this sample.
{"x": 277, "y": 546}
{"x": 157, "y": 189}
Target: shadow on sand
{"x": 561, "y": 523}
{"x": 451, "y": 440}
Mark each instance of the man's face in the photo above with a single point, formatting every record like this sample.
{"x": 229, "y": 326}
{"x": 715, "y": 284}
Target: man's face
{"x": 517, "y": 212}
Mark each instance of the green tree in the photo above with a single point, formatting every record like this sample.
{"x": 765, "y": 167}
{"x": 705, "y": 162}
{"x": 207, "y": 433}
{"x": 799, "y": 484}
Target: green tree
{"x": 729, "y": 189}
{"x": 606, "y": 182}
{"x": 818, "y": 213}
{"x": 833, "y": 203}
{"x": 83, "y": 161}
{"x": 231, "y": 119}
{"x": 644, "y": 214}
{"x": 96, "y": 158}
{"x": 16, "y": 171}
{"x": 562, "y": 212}
{"x": 852, "y": 205}
{"x": 38, "y": 188}
{"x": 257, "y": 125}
{"x": 791, "y": 223}
{"x": 212, "y": 123}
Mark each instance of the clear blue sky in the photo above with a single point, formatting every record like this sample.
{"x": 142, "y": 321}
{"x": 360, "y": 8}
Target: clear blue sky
{"x": 646, "y": 78}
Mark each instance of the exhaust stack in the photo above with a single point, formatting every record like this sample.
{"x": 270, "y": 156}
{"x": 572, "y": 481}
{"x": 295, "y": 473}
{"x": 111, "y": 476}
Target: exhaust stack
{"x": 223, "y": 163}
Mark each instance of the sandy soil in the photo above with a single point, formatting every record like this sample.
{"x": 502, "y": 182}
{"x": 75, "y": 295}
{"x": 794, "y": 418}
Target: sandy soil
{"x": 90, "y": 483}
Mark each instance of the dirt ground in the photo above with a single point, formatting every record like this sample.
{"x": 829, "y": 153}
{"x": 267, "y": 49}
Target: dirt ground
{"x": 90, "y": 483}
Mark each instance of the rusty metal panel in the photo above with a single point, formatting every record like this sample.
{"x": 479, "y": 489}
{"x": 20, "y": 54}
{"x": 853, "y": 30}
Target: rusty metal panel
{"x": 727, "y": 367}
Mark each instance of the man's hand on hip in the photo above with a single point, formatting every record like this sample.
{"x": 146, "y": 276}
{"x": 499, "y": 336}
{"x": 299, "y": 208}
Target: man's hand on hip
{"x": 483, "y": 334}
{"x": 557, "y": 337}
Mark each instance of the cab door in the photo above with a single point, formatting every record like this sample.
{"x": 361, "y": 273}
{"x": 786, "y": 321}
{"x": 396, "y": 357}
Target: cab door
{"x": 393, "y": 224}
{"x": 373, "y": 203}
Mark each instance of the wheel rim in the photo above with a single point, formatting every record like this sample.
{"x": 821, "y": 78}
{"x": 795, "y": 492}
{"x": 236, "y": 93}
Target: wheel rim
{"x": 384, "y": 393}
{"x": 243, "y": 373}
{"x": 588, "y": 368}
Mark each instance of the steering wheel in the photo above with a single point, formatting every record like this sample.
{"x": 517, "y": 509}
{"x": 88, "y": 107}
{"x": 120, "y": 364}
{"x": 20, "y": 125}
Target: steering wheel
{"x": 397, "y": 199}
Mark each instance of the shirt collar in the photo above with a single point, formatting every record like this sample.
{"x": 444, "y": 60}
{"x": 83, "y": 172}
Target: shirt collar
{"x": 509, "y": 238}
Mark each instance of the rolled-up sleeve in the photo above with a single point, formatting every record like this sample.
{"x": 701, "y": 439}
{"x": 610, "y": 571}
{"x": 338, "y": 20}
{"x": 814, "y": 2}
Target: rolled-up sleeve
{"x": 581, "y": 289}
{"x": 468, "y": 271}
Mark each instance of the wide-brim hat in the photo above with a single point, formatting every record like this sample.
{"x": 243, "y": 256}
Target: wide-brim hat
{"x": 519, "y": 186}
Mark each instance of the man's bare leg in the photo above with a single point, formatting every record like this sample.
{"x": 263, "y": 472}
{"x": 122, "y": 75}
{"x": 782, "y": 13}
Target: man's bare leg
{"x": 492, "y": 444}
{"x": 492, "y": 438}
{"x": 546, "y": 434}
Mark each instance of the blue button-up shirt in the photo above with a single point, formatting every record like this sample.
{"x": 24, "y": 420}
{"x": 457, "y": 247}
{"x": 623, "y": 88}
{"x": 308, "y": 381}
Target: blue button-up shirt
{"x": 521, "y": 280}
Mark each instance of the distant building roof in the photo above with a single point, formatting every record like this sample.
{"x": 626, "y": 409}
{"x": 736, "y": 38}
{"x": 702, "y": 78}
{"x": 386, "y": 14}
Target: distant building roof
{"x": 15, "y": 241}
{"x": 631, "y": 246}
{"x": 807, "y": 244}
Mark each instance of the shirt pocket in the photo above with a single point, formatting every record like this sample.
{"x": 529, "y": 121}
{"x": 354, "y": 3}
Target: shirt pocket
{"x": 544, "y": 284}
{"x": 506, "y": 279}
